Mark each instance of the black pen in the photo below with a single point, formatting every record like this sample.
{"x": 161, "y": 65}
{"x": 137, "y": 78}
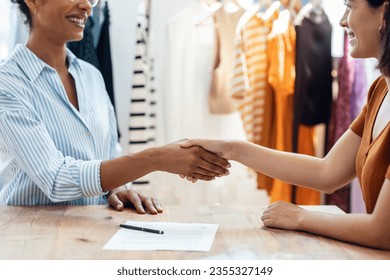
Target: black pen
{"x": 142, "y": 229}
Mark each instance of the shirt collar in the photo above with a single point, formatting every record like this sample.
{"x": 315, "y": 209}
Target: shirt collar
{"x": 73, "y": 60}
{"x": 32, "y": 65}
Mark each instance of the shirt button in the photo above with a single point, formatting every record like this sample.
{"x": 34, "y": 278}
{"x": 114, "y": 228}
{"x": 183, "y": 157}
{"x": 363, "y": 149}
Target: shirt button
{"x": 89, "y": 133}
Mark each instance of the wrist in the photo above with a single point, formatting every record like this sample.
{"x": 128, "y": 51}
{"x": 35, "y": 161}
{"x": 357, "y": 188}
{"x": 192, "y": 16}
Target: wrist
{"x": 145, "y": 161}
{"x": 154, "y": 158}
{"x": 234, "y": 146}
{"x": 302, "y": 220}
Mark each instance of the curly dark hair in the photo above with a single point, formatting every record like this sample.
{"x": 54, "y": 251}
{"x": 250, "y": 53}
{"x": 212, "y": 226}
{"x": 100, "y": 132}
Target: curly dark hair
{"x": 25, "y": 11}
{"x": 384, "y": 55}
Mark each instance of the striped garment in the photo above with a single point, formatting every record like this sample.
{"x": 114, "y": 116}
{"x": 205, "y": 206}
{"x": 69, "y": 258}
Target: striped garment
{"x": 142, "y": 116}
{"x": 249, "y": 81}
{"x": 49, "y": 152}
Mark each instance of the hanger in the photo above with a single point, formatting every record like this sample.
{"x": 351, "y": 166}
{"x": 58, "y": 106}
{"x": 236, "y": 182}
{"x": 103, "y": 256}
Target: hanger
{"x": 234, "y": 6}
{"x": 253, "y": 10}
{"x": 316, "y": 6}
{"x": 271, "y": 10}
{"x": 312, "y": 6}
{"x": 208, "y": 12}
{"x": 291, "y": 8}
{"x": 245, "y": 4}
{"x": 316, "y": 3}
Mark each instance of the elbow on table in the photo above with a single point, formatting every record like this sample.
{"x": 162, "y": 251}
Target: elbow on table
{"x": 383, "y": 241}
{"x": 380, "y": 236}
{"x": 330, "y": 188}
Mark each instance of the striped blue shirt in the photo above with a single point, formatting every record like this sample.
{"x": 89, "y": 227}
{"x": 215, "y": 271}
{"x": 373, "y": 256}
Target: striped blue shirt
{"x": 50, "y": 153}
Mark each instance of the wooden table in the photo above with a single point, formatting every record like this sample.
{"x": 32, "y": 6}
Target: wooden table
{"x": 80, "y": 232}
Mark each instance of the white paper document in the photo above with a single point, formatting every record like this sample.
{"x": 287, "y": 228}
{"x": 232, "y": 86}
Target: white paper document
{"x": 177, "y": 237}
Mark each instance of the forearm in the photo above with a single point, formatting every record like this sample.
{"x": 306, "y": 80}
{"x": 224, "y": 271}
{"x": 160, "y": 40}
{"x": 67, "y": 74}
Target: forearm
{"x": 327, "y": 174}
{"x": 292, "y": 168}
{"x": 354, "y": 228}
{"x": 119, "y": 171}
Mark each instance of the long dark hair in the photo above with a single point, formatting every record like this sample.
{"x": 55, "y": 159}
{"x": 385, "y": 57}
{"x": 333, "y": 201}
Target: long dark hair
{"x": 384, "y": 54}
{"x": 25, "y": 11}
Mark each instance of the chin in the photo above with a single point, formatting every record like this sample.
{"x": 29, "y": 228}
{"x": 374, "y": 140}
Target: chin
{"x": 77, "y": 38}
{"x": 357, "y": 54}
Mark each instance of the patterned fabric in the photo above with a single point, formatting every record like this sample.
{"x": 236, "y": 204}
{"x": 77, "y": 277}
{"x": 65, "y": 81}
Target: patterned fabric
{"x": 49, "y": 151}
{"x": 250, "y": 85}
{"x": 249, "y": 81}
{"x": 142, "y": 118}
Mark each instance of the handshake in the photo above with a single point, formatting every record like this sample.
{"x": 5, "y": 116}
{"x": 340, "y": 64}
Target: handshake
{"x": 205, "y": 159}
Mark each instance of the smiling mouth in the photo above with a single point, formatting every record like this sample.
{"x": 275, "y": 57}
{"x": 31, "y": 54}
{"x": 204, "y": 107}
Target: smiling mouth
{"x": 79, "y": 21}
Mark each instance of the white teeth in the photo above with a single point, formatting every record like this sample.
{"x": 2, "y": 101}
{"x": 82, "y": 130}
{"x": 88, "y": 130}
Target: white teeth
{"x": 77, "y": 20}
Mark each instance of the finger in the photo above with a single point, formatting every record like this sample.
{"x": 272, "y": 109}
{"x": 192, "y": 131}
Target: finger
{"x": 206, "y": 172}
{"x": 191, "y": 179}
{"x": 198, "y": 176}
{"x": 214, "y": 159}
{"x": 115, "y": 202}
{"x": 182, "y": 176}
{"x": 265, "y": 216}
{"x": 267, "y": 222}
{"x": 137, "y": 203}
{"x": 157, "y": 205}
{"x": 214, "y": 163}
{"x": 149, "y": 205}
{"x": 211, "y": 170}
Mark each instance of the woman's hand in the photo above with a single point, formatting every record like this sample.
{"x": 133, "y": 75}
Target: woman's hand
{"x": 121, "y": 197}
{"x": 222, "y": 148}
{"x": 284, "y": 215}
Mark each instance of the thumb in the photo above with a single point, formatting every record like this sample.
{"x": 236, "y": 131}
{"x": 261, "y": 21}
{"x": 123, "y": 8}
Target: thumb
{"x": 188, "y": 143}
{"x": 116, "y": 202}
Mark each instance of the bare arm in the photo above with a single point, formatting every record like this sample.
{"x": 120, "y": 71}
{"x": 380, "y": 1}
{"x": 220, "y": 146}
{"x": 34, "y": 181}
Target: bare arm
{"x": 327, "y": 174}
{"x": 371, "y": 230}
{"x": 195, "y": 162}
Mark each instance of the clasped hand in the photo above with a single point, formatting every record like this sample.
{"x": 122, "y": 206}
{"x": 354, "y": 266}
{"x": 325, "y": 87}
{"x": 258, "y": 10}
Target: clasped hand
{"x": 194, "y": 162}
{"x": 213, "y": 155}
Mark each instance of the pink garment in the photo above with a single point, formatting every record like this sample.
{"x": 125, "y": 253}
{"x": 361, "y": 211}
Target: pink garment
{"x": 342, "y": 112}
{"x": 358, "y": 99}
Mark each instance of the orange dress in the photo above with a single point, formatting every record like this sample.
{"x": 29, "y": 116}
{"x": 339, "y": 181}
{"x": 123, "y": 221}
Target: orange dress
{"x": 281, "y": 76}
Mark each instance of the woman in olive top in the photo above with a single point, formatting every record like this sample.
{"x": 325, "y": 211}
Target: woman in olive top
{"x": 363, "y": 151}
